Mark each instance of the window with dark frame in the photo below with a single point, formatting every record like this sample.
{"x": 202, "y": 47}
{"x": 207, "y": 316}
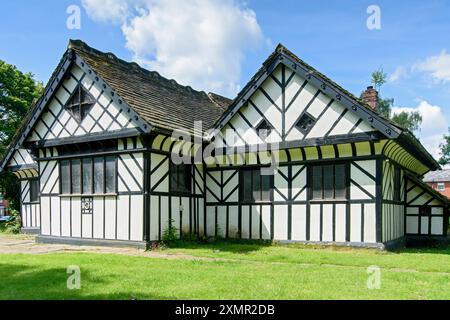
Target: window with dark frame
{"x": 397, "y": 184}
{"x": 255, "y": 187}
{"x": 96, "y": 175}
{"x": 329, "y": 182}
{"x": 34, "y": 190}
{"x": 80, "y": 103}
{"x": 305, "y": 123}
{"x": 180, "y": 178}
{"x": 264, "y": 129}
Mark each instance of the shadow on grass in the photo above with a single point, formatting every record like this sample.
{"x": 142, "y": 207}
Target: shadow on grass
{"x": 247, "y": 246}
{"x": 25, "y": 282}
{"x": 228, "y": 245}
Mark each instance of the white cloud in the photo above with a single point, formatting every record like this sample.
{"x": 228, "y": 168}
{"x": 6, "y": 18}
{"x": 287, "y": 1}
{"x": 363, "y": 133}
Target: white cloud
{"x": 112, "y": 11}
{"x": 438, "y": 67}
{"x": 434, "y": 125}
{"x": 196, "y": 42}
{"x": 398, "y": 73}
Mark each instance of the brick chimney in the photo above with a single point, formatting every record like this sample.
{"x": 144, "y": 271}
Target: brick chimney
{"x": 370, "y": 96}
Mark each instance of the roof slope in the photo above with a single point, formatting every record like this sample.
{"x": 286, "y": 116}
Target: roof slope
{"x": 405, "y": 137}
{"x": 164, "y": 103}
{"x": 437, "y": 176}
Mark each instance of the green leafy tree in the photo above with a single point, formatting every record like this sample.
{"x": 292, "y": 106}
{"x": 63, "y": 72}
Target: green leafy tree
{"x": 379, "y": 77}
{"x": 407, "y": 120}
{"x": 445, "y": 150}
{"x": 18, "y": 91}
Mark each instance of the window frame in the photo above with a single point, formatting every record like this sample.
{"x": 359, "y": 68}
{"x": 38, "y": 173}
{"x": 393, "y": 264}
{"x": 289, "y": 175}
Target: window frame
{"x": 440, "y": 184}
{"x": 187, "y": 189}
{"x": 310, "y": 182}
{"x": 37, "y": 192}
{"x": 80, "y": 109}
{"x": 92, "y": 190}
{"x": 242, "y": 198}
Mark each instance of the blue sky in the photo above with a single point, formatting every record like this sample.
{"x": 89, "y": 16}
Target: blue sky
{"x": 332, "y": 36}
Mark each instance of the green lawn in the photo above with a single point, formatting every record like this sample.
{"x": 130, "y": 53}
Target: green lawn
{"x": 244, "y": 271}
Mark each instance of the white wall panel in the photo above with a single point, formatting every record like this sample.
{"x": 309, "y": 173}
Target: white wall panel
{"x": 340, "y": 223}
{"x": 314, "y": 223}
{"x": 110, "y": 218}
{"x": 55, "y": 216}
{"x": 370, "y": 227}
{"x": 298, "y": 222}
{"x": 266, "y": 222}
{"x": 256, "y": 216}
{"x": 233, "y": 225}
{"x": 86, "y": 220}
{"x": 98, "y": 217}
{"x": 221, "y": 221}
{"x": 65, "y": 217}
{"x": 355, "y": 223}
{"x": 137, "y": 216}
{"x": 327, "y": 222}
{"x": 280, "y": 225}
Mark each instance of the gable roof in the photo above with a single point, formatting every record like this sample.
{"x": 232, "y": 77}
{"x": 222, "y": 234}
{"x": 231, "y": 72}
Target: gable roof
{"x": 158, "y": 103}
{"x": 427, "y": 188}
{"x": 282, "y": 55}
{"x": 437, "y": 176}
{"x": 163, "y": 103}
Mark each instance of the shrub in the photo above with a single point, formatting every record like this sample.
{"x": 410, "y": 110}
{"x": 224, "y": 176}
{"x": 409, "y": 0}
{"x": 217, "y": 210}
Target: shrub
{"x": 13, "y": 225}
{"x": 170, "y": 234}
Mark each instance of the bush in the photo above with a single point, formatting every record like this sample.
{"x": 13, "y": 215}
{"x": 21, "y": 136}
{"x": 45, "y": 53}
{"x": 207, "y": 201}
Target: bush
{"x": 170, "y": 234}
{"x": 13, "y": 225}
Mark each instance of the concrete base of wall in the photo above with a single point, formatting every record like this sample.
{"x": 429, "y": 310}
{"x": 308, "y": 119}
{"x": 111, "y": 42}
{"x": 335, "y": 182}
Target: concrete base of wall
{"x": 30, "y": 230}
{"x": 91, "y": 242}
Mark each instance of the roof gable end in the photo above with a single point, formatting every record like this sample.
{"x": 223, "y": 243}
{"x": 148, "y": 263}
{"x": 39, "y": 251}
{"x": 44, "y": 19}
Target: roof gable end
{"x": 283, "y": 56}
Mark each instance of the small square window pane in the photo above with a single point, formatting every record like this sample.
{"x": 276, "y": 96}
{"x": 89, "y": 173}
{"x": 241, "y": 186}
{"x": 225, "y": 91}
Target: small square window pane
{"x": 34, "y": 190}
{"x": 99, "y": 175}
{"x": 317, "y": 182}
{"x": 87, "y": 176}
{"x": 110, "y": 174}
{"x": 340, "y": 181}
{"x": 65, "y": 176}
{"x": 247, "y": 186}
{"x": 266, "y": 187}
{"x": 76, "y": 176}
{"x": 256, "y": 185}
{"x": 328, "y": 177}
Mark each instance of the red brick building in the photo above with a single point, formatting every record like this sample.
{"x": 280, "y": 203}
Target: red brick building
{"x": 4, "y": 207}
{"x": 439, "y": 181}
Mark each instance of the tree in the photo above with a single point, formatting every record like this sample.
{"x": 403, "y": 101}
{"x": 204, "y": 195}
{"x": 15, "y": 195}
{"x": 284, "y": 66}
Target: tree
{"x": 379, "y": 78}
{"x": 445, "y": 151}
{"x": 18, "y": 91}
{"x": 407, "y": 120}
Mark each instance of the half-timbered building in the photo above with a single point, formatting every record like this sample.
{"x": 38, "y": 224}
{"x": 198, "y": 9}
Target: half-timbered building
{"x": 114, "y": 154}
